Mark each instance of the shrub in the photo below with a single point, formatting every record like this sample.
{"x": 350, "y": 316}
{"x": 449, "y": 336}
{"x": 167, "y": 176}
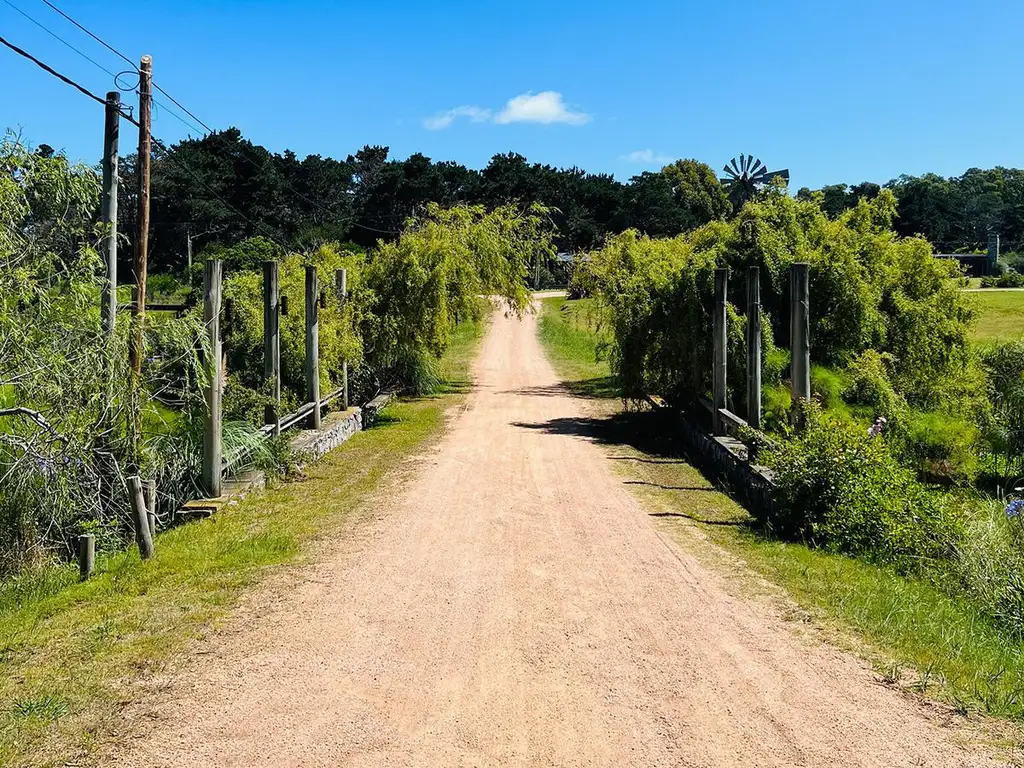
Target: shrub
{"x": 840, "y": 489}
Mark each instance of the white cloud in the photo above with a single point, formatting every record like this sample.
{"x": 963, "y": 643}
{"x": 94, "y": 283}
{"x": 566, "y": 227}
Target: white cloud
{"x": 545, "y": 107}
{"x": 445, "y": 119}
{"x": 647, "y": 157}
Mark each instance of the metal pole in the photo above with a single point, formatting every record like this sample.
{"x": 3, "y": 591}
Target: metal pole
{"x": 312, "y": 348}
{"x": 108, "y": 209}
{"x": 341, "y": 286}
{"x": 799, "y": 331}
{"x": 212, "y": 449}
{"x": 272, "y": 343}
{"x": 142, "y": 231}
{"x": 719, "y": 364}
{"x": 141, "y": 517}
{"x": 754, "y": 347}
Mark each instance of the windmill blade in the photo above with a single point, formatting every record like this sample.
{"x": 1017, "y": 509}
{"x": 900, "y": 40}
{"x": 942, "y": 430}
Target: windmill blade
{"x": 730, "y": 172}
{"x": 758, "y": 164}
{"x": 734, "y": 168}
{"x": 744, "y": 162}
{"x": 760, "y": 175}
{"x": 783, "y": 174}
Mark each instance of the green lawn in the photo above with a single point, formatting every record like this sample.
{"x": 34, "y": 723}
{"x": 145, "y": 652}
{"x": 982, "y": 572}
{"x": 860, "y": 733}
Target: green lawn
{"x": 71, "y": 655}
{"x": 914, "y": 633}
{"x": 1002, "y": 315}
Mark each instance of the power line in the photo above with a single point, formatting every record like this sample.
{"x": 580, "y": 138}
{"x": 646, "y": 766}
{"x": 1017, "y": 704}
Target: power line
{"x": 59, "y": 76}
{"x": 98, "y": 39}
{"x": 58, "y": 37}
{"x": 182, "y": 107}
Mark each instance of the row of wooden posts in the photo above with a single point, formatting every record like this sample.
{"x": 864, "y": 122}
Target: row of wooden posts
{"x": 143, "y": 495}
{"x": 799, "y": 335}
{"x": 213, "y": 459}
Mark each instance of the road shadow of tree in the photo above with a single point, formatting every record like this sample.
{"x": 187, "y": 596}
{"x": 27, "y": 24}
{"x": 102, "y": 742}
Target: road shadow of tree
{"x": 658, "y": 463}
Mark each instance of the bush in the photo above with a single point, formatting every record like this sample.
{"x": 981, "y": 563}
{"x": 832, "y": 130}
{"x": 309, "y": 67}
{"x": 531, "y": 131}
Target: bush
{"x": 1008, "y": 279}
{"x": 840, "y": 489}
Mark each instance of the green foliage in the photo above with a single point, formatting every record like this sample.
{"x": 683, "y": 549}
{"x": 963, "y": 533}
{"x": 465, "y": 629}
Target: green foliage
{"x": 1004, "y": 365}
{"x": 421, "y": 285}
{"x": 1005, "y": 280}
{"x": 840, "y": 489}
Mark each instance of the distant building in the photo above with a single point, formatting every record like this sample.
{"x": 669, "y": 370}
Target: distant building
{"x": 977, "y": 264}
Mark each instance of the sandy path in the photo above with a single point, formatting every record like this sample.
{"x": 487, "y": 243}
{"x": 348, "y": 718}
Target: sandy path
{"x": 516, "y": 606}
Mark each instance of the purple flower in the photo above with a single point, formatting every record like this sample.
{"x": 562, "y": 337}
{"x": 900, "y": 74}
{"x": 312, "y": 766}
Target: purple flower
{"x": 1015, "y": 508}
{"x": 878, "y": 427}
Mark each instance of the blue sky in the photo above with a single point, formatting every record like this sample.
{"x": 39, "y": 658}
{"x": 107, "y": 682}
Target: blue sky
{"x": 833, "y": 90}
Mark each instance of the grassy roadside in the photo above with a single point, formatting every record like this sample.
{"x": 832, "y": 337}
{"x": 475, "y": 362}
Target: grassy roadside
{"x": 917, "y": 636}
{"x": 70, "y": 653}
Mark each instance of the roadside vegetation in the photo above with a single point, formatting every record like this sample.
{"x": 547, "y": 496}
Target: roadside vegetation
{"x": 914, "y": 432}
{"x": 72, "y": 655}
{"x": 76, "y": 421}
{"x": 917, "y": 634}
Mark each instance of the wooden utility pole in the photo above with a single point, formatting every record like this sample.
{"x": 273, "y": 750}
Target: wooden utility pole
{"x": 142, "y": 231}
{"x": 754, "y": 347}
{"x": 719, "y": 349}
{"x": 272, "y": 344}
{"x": 312, "y": 347}
{"x": 108, "y": 209}
{"x": 212, "y": 446}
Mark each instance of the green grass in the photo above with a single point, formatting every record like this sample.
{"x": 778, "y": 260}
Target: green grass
{"x": 915, "y": 634}
{"x": 1002, "y": 315}
{"x": 70, "y": 653}
{"x": 572, "y": 333}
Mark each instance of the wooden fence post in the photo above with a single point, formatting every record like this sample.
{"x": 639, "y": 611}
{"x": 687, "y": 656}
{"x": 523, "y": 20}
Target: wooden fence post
{"x": 151, "y": 506}
{"x": 272, "y": 343}
{"x": 719, "y": 342}
{"x": 140, "y": 517}
{"x": 341, "y": 288}
{"x": 754, "y": 347}
{"x": 86, "y": 555}
{"x": 312, "y": 348}
{"x": 799, "y": 332}
{"x": 212, "y": 447}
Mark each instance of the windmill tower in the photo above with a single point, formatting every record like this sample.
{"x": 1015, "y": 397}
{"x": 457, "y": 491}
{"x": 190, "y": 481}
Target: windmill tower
{"x": 743, "y": 180}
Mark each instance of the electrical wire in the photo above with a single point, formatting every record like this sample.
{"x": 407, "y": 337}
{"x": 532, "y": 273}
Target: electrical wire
{"x": 98, "y": 39}
{"x": 54, "y": 35}
{"x": 59, "y": 76}
{"x": 260, "y": 166}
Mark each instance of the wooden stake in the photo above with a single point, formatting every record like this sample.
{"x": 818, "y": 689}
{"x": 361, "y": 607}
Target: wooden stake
{"x": 86, "y": 555}
{"x": 272, "y": 344}
{"x": 141, "y": 517}
{"x": 212, "y": 447}
{"x": 799, "y": 331}
{"x": 754, "y": 347}
{"x": 312, "y": 348}
{"x": 719, "y": 348}
{"x": 151, "y": 506}
{"x": 341, "y": 286}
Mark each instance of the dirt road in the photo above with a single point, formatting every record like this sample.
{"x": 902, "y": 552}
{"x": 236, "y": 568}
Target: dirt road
{"x": 514, "y": 605}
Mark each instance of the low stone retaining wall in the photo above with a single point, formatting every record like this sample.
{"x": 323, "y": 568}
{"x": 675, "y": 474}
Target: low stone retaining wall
{"x": 726, "y": 460}
{"x": 334, "y": 430}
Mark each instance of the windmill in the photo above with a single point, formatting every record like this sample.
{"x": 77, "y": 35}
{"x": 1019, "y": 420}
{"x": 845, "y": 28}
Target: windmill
{"x": 744, "y": 179}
